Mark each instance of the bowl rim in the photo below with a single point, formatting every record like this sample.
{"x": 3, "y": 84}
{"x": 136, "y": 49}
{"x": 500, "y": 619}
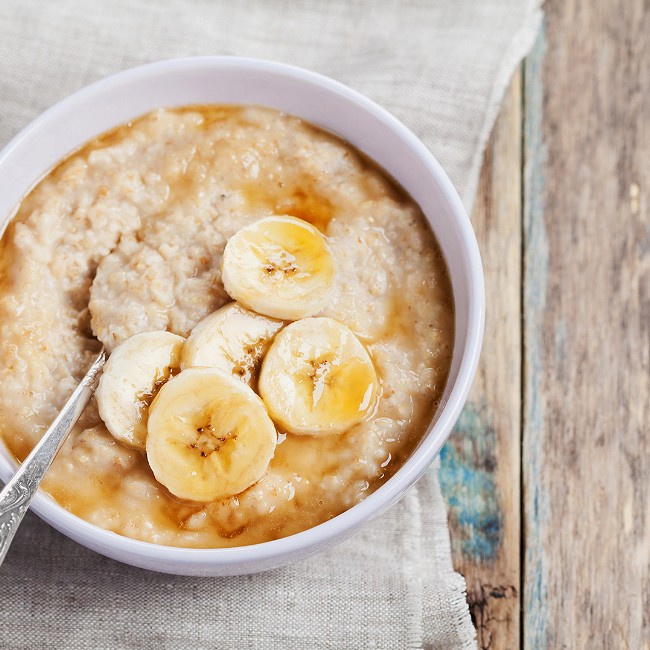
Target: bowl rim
{"x": 346, "y": 523}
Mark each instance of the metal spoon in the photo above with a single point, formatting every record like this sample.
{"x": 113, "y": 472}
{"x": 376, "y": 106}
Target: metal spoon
{"x": 19, "y": 492}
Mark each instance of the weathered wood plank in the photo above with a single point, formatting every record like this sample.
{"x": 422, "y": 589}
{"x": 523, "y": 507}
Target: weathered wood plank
{"x": 587, "y": 328}
{"x": 481, "y": 462}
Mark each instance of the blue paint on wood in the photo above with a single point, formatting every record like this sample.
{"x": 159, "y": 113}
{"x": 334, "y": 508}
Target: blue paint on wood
{"x": 468, "y": 461}
{"x": 536, "y": 504}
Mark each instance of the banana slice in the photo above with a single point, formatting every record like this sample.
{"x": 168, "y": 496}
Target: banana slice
{"x": 279, "y": 266}
{"x": 209, "y": 435}
{"x": 232, "y": 339}
{"x": 317, "y": 378}
{"x": 132, "y": 376}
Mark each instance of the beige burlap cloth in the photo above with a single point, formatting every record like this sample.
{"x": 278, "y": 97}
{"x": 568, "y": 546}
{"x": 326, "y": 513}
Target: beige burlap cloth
{"x": 441, "y": 66}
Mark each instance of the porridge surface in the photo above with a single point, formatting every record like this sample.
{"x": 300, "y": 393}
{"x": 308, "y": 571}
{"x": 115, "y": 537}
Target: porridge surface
{"x": 132, "y": 228}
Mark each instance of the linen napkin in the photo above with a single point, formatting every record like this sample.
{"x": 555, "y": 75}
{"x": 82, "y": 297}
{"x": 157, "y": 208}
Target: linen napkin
{"x": 441, "y": 67}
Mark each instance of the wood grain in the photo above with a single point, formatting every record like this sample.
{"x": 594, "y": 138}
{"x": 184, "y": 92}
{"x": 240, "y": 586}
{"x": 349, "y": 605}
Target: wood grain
{"x": 587, "y": 328}
{"x": 480, "y": 464}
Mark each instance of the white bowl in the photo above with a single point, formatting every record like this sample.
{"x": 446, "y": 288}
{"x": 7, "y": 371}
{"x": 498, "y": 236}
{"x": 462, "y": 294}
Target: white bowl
{"x": 329, "y": 104}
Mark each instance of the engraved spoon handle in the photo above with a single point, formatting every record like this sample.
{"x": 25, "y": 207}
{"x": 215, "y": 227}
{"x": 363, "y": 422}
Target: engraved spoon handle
{"x": 20, "y": 490}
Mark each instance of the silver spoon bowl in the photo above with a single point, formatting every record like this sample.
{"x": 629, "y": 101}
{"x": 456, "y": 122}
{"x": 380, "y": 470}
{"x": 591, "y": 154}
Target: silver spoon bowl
{"x": 20, "y": 490}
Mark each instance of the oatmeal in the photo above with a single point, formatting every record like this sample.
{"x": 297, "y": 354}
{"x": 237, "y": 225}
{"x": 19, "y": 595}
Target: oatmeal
{"x": 127, "y": 236}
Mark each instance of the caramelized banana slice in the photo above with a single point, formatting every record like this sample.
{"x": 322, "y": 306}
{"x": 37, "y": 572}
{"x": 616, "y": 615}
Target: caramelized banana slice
{"x": 233, "y": 339}
{"x": 279, "y": 266}
{"x": 132, "y": 376}
{"x": 209, "y": 435}
{"x": 317, "y": 378}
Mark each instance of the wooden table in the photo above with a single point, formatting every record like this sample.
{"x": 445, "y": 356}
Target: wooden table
{"x": 547, "y": 475}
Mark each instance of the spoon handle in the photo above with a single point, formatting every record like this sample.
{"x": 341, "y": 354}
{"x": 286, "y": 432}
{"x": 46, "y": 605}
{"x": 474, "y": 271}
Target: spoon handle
{"x": 20, "y": 490}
